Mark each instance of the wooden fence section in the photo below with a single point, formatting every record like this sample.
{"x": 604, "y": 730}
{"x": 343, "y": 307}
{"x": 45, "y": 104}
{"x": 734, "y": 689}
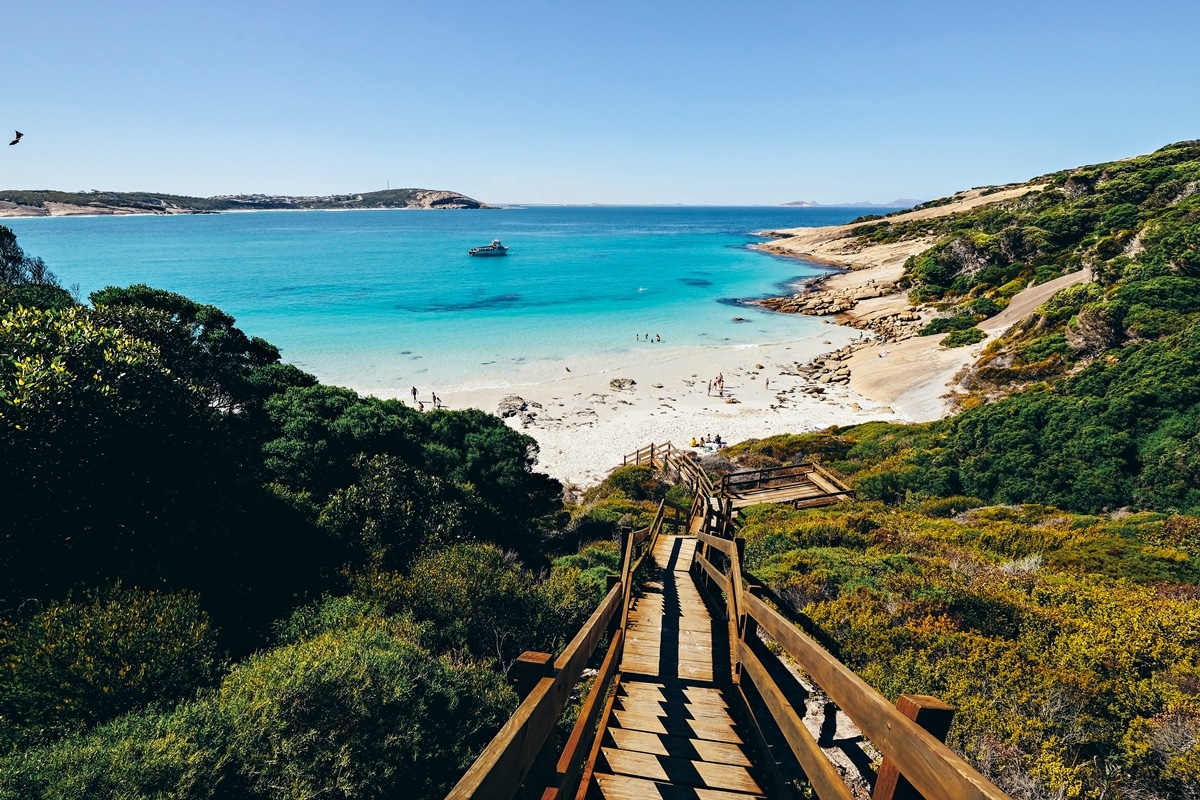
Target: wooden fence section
{"x": 805, "y": 485}
{"x": 909, "y": 750}
{"x": 520, "y": 747}
{"x": 519, "y": 759}
{"x": 677, "y": 464}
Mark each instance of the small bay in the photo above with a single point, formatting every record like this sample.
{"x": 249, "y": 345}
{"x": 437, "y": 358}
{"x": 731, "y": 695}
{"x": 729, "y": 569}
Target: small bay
{"x": 381, "y": 300}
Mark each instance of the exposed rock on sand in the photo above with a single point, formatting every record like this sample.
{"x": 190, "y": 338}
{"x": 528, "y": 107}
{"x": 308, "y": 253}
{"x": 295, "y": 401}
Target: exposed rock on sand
{"x": 515, "y": 406}
{"x": 912, "y": 374}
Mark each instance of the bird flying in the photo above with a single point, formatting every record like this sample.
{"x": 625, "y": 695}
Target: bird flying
{"x": 16, "y": 139}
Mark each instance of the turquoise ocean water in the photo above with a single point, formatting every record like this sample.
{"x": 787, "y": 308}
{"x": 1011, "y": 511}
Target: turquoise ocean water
{"x": 381, "y": 300}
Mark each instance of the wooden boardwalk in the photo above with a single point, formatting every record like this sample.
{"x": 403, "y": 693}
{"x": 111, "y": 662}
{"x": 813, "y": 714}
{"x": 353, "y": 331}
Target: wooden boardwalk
{"x": 670, "y": 732}
{"x": 667, "y": 717}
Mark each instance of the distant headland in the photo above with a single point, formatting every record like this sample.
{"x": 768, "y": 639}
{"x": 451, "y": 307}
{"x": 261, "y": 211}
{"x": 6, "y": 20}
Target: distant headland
{"x": 48, "y": 203}
{"x": 904, "y": 202}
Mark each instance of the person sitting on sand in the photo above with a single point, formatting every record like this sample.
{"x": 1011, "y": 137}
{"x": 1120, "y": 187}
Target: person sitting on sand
{"x": 693, "y": 444}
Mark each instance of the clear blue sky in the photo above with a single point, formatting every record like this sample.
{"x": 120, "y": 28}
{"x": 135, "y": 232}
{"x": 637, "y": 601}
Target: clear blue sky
{"x": 654, "y": 101}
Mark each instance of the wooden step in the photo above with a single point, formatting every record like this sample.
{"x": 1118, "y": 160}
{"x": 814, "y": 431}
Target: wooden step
{"x": 626, "y": 787}
{"x": 680, "y": 771}
{"x": 679, "y": 747}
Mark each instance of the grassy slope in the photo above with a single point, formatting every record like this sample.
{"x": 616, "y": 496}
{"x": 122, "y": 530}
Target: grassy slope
{"x": 1065, "y": 629}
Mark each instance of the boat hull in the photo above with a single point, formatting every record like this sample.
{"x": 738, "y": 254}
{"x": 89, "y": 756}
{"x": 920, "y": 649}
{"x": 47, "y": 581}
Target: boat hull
{"x": 489, "y": 253}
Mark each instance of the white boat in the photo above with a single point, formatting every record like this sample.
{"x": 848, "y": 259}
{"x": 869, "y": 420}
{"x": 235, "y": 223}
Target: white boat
{"x": 493, "y": 249}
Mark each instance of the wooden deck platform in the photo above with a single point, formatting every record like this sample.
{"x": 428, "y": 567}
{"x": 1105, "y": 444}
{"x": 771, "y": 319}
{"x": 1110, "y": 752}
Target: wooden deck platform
{"x": 804, "y": 491}
{"x": 670, "y": 732}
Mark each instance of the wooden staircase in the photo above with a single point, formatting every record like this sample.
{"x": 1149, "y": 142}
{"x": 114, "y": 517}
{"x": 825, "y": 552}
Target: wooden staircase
{"x": 668, "y": 712}
{"x": 670, "y": 730}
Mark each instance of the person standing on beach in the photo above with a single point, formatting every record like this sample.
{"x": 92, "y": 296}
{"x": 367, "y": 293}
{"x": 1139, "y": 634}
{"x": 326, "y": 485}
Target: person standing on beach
{"x": 414, "y": 394}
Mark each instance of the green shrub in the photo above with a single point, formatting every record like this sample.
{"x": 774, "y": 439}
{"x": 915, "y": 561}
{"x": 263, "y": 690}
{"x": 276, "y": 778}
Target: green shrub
{"x": 961, "y": 338}
{"x": 943, "y": 324}
{"x": 358, "y": 713}
{"x": 634, "y": 482}
{"x": 74, "y": 665}
{"x": 143, "y": 756}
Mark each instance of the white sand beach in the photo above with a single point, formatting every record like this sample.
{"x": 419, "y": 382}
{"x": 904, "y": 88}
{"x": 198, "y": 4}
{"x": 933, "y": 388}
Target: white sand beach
{"x": 586, "y": 417}
{"x": 584, "y": 425}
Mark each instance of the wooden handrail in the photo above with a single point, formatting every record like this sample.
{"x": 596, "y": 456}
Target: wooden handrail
{"x": 726, "y": 546}
{"x": 819, "y": 770}
{"x": 932, "y": 768}
{"x": 570, "y": 764}
{"x": 500, "y": 769}
{"x": 929, "y": 767}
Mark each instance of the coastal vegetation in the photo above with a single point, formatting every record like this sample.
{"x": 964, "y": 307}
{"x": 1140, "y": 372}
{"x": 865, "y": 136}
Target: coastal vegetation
{"x": 34, "y": 202}
{"x": 223, "y": 579}
{"x": 1033, "y": 559}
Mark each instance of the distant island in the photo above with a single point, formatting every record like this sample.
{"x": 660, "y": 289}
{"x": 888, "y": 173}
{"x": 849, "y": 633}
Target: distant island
{"x": 905, "y": 202}
{"x": 49, "y": 203}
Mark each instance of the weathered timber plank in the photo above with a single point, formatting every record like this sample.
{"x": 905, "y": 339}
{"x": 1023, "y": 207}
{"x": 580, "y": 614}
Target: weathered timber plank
{"x": 692, "y": 729}
{"x": 932, "y": 768}
{"x": 660, "y": 693}
{"x": 675, "y": 710}
{"x": 726, "y": 546}
{"x": 571, "y": 761}
{"x": 684, "y": 640}
{"x": 681, "y": 772}
{"x": 649, "y": 668}
{"x": 826, "y": 781}
{"x": 675, "y": 667}
{"x": 679, "y": 747}
{"x": 626, "y": 787}
{"x": 714, "y": 573}
{"x": 694, "y": 624}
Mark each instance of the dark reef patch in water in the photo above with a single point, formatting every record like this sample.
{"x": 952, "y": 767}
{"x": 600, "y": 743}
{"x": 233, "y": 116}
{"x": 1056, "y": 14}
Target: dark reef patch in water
{"x": 699, "y": 282}
{"x": 480, "y": 304}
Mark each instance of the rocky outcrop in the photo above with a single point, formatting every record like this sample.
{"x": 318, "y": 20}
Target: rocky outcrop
{"x": 516, "y": 406}
{"x": 822, "y": 302}
{"x": 436, "y": 199}
{"x": 888, "y": 325}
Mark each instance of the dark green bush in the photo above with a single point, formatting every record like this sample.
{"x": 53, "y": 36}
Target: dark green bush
{"x": 966, "y": 336}
{"x": 74, "y": 665}
{"x": 358, "y": 713}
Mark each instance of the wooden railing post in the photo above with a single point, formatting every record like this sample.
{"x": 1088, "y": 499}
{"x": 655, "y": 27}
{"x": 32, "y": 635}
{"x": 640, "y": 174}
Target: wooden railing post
{"x": 749, "y": 626}
{"x": 531, "y": 668}
{"x": 734, "y": 602}
{"x": 931, "y": 714}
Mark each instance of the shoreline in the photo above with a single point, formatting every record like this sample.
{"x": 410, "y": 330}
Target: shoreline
{"x": 595, "y": 412}
{"x": 870, "y": 364}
